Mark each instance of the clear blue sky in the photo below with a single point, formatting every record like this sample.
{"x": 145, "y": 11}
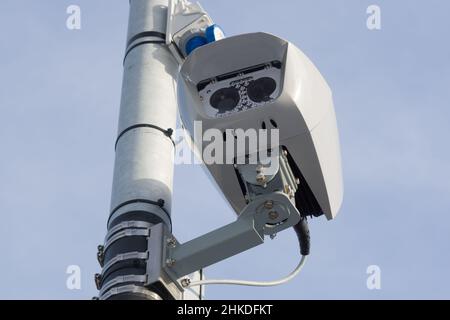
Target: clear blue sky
{"x": 59, "y": 100}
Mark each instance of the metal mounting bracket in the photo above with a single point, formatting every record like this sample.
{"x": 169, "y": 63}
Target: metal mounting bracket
{"x": 265, "y": 215}
{"x": 184, "y": 19}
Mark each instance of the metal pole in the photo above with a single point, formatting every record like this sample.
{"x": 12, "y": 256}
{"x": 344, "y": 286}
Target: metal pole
{"x": 143, "y": 173}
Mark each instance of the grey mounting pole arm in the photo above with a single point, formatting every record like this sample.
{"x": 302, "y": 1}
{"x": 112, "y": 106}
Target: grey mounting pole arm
{"x": 266, "y": 215}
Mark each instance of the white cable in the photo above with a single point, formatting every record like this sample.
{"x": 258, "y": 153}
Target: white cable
{"x": 188, "y": 284}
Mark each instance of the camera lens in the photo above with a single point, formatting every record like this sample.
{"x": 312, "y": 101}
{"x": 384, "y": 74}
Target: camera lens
{"x": 225, "y": 99}
{"x": 261, "y": 89}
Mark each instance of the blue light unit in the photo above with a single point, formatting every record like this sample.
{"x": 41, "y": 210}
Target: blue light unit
{"x": 214, "y": 33}
{"x": 195, "y": 43}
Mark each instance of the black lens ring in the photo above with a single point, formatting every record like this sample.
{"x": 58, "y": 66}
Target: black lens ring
{"x": 225, "y": 99}
{"x": 261, "y": 89}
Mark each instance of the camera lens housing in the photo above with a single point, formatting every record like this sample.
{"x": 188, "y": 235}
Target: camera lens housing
{"x": 260, "y": 90}
{"x": 225, "y": 99}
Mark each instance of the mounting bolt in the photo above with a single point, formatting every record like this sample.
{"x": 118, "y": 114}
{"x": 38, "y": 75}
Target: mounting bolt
{"x": 101, "y": 255}
{"x": 261, "y": 179}
{"x": 273, "y": 215}
{"x": 171, "y": 242}
{"x": 268, "y": 205}
{"x": 170, "y": 262}
{"x": 185, "y": 282}
{"x": 98, "y": 280}
{"x": 288, "y": 190}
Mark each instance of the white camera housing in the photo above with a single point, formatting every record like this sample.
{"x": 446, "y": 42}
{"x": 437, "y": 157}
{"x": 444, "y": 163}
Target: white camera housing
{"x": 257, "y": 81}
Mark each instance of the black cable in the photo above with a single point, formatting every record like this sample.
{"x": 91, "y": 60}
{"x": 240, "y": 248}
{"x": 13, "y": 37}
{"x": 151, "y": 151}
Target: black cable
{"x": 303, "y": 235}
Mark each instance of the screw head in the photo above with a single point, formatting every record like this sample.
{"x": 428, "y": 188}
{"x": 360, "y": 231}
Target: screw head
{"x": 273, "y": 215}
{"x": 170, "y": 262}
{"x": 261, "y": 179}
{"x": 268, "y": 205}
{"x": 185, "y": 282}
{"x": 288, "y": 191}
{"x": 98, "y": 280}
{"x": 171, "y": 242}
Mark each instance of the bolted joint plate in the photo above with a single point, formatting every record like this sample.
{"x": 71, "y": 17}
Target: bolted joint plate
{"x": 257, "y": 220}
{"x": 272, "y": 213}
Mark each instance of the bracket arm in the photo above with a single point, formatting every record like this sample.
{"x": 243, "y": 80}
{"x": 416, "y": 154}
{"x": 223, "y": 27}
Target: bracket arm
{"x": 215, "y": 246}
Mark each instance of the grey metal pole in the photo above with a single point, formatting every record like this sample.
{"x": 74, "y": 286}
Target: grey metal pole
{"x": 143, "y": 173}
